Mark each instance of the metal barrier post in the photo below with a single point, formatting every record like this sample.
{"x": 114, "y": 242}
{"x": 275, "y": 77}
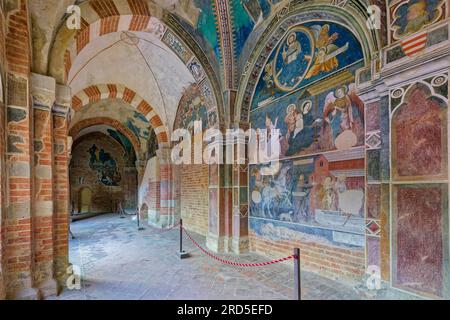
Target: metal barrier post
{"x": 138, "y": 214}
{"x": 297, "y": 275}
{"x": 182, "y": 254}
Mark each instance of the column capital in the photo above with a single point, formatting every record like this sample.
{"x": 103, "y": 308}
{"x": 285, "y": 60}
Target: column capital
{"x": 63, "y": 101}
{"x": 43, "y": 90}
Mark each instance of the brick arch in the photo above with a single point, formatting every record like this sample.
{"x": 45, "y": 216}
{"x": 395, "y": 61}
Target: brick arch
{"x": 87, "y": 123}
{"x": 101, "y": 17}
{"x": 97, "y": 93}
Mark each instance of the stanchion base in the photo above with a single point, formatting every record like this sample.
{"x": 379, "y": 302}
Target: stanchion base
{"x": 183, "y": 254}
{"x": 141, "y": 229}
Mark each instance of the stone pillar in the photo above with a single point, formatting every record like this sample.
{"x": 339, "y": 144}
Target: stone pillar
{"x": 140, "y": 167}
{"x": 167, "y": 194}
{"x": 2, "y": 196}
{"x": 18, "y": 224}
{"x": 61, "y": 214}
{"x": 378, "y": 178}
{"x": 130, "y": 187}
{"x": 43, "y": 92}
{"x": 151, "y": 190}
{"x": 220, "y": 207}
{"x": 241, "y": 210}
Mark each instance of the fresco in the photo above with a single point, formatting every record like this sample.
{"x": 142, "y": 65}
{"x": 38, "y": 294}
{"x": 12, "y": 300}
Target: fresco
{"x": 312, "y": 194}
{"x": 198, "y": 16}
{"x": 137, "y": 124}
{"x": 105, "y": 166}
{"x": 418, "y": 135}
{"x": 307, "y": 53}
{"x": 195, "y": 106}
{"x": 412, "y": 16}
{"x": 419, "y": 259}
{"x": 130, "y": 155}
{"x": 152, "y": 145}
{"x": 332, "y": 120}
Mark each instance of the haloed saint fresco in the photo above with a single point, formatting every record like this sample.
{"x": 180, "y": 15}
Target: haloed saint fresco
{"x": 333, "y": 120}
{"x": 412, "y": 16}
{"x": 307, "y": 53}
{"x": 306, "y": 91}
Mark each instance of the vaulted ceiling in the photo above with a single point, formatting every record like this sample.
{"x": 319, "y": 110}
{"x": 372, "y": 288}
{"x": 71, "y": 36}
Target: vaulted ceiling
{"x": 148, "y": 47}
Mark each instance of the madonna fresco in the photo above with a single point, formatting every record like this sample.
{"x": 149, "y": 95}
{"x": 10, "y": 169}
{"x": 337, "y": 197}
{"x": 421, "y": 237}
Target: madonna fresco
{"x": 307, "y": 92}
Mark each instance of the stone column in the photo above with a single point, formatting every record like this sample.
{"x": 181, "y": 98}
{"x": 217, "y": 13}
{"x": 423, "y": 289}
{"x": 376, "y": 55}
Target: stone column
{"x": 43, "y": 93}
{"x": 378, "y": 178}
{"x": 167, "y": 194}
{"x": 2, "y": 197}
{"x": 130, "y": 187}
{"x": 18, "y": 224}
{"x": 61, "y": 153}
{"x": 220, "y": 207}
{"x": 241, "y": 210}
{"x": 140, "y": 167}
{"x": 150, "y": 190}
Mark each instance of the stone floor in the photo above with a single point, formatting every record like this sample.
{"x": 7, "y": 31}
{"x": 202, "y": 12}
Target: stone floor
{"x": 119, "y": 262}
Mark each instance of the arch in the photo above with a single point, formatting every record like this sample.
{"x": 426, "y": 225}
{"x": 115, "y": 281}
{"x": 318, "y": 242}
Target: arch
{"x": 87, "y": 123}
{"x": 97, "y": 93}
{"x": 276, "y": 29}
{"x": 108, "y": 16}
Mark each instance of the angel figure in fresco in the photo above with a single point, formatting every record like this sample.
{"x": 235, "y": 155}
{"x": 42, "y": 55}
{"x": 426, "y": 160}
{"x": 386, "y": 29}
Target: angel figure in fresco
{"x": 344, "y": 116}
{"x": 268, "y": 78}
{"x": 327, "y": 52}
{"x": 292, "y": 49}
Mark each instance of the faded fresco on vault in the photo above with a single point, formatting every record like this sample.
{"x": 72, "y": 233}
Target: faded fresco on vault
{"x": 408, "y": 17}
{"x": 196, "y": 105}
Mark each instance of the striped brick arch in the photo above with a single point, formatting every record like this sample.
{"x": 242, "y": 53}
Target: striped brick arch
{"x": 88, "y": 123}
{"x": 100, "y": 17}
{"x": 100, "y": 92}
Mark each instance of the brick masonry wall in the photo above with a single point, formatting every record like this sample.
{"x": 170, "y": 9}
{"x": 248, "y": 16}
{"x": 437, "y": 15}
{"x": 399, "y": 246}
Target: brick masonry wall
{"x": 60, "y": 196}
{"x": 330, "y": 261}
{"x": 104, "y": 198}
{"x": 194, "y": 197}
{"x": 2, "y": 149}
{"x": 18, "y": 241}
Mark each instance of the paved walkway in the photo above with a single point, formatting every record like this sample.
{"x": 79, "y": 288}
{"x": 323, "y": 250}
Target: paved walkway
{"x": 118, "y": 262}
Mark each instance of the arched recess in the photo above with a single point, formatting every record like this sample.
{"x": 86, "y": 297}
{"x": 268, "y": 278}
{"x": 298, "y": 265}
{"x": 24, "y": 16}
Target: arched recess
{"x": 299, "y": 13}
{"x": 97, "y": 93}
{"x": 103, "y": 17}
{"x": 88, "y": 123}
{"x": 101, "y": 163}
{"x": 419, "y": 188}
